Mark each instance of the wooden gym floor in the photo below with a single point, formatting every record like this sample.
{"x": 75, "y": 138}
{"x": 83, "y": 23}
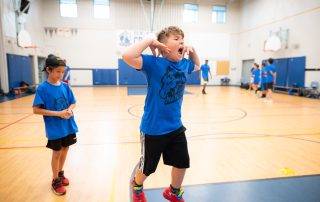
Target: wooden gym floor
{"x": 232, "y": 136}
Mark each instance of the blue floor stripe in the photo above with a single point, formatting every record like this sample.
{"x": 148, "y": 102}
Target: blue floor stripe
{"x": 141, "y": 90}
{"x": 293, "y": 189}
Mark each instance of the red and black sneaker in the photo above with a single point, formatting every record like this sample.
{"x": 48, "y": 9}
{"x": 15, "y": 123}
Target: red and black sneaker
{"x": 57, "y": 187}
{"x": 64, "y": 180}
{"x": 138, "y": 194}
{"x": 172, "y": 197}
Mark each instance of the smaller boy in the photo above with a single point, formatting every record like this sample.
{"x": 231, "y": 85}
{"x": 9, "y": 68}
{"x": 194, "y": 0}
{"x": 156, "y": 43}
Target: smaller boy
{"x": 55, "y": 101}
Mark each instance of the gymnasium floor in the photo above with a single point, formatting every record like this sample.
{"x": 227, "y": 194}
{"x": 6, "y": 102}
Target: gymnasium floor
{"x": 241, "y": 148}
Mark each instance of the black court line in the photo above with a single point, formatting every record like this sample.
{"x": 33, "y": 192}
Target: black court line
{"x": 190, "y": 138}
{"x": 255, "y": 135}
{"x": 16, "y": 121}
{"x": 12, "y": 113}
{"x": 131, "y": 113}
{"x": 242, "y": 116}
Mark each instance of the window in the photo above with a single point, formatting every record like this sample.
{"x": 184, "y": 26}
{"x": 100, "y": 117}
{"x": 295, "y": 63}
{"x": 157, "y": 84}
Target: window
{"x": 219, "y": 14}
{"x": 68, "y": 8}
{"x": 190, "y": 13}
{"x": 101, "y": 9}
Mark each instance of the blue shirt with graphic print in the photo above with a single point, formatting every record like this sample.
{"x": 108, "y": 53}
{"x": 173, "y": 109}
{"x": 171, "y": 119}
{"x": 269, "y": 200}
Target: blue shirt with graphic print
{"x": 166, "y": 83}
{"x": 56, "y": 98}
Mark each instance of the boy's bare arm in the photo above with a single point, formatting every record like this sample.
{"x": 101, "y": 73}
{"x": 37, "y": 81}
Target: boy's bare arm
{"x": 194, "y": 57}
{"x": 132, "y": 56}
{"x": 72, "y": 106}
{"x": 274, "y": 74}
{"x": 45, "y": 112}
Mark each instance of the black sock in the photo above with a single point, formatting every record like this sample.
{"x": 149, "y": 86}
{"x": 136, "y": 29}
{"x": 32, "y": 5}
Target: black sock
{"x": 137, "y": 188}
{"x": 136, "y": 184}
{"x": 174, "y": 190}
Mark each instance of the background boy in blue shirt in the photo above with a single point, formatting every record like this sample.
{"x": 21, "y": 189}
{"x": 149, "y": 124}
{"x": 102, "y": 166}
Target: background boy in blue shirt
{"x": 268, "y": 74}
{"x": 205, "y": 70}
{"x": 161, "y": 128}
{"x": 55, "y": 101}
{"x": 256, "y": 74}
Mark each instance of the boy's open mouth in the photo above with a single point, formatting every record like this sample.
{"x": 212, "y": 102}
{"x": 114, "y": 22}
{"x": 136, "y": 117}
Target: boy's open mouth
{"x": 180, "y": 51}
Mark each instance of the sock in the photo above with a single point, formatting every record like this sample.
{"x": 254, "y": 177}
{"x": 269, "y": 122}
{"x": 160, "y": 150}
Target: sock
{"x": 174, "y": 190}
{"x": 137, "y": 187}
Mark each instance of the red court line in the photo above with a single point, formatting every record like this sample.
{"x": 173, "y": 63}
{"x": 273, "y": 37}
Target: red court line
{"x": 16, "y": 121}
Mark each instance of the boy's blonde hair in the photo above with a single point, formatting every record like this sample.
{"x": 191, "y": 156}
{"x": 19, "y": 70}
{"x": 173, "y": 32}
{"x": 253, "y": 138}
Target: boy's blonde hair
{"x": 172, "y": 30}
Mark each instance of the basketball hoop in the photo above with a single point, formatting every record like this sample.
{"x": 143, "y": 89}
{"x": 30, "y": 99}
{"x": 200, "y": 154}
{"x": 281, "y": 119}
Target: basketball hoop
{"x": 24, "y": 39}
{"x": 273, "y": 43}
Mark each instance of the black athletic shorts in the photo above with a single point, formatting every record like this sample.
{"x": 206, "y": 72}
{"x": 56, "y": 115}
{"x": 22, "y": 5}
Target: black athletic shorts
{"x": 173, "y": 147}
{"x": 62, "y": 142}
{"x": 267, "y": 86}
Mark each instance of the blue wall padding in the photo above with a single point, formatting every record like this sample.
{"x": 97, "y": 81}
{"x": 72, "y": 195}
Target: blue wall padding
{"x": 296, "y": 71}
{"x": 104, "y": 76}
{"x": 19, "y": 69}
{"x": 130, "y": 76}
{"x": 282, "y": 71}
{"x": 290, "y": 71}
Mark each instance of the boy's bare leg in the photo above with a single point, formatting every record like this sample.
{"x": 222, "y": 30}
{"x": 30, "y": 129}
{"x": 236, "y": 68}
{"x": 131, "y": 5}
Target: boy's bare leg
{"x": 204, "y": 88}
{"x": 177, "y": 175}
{"x": 55, "y": 163}
{"x": 139, "y": 177}
{"x": 63, "y": 156}
{"x": 269, "y": 94}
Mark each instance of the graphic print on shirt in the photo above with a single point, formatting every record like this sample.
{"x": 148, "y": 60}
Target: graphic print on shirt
{"x": 61, "y": 104}
{"x": 264, "y": 73}
{"x": 172, "y": 85}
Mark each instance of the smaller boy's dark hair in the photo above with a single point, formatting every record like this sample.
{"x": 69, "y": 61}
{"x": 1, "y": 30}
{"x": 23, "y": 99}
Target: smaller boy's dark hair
{"x": 53, "y": 61}
{"x": 164, "y": 34}
{"x": 270, "y": 60}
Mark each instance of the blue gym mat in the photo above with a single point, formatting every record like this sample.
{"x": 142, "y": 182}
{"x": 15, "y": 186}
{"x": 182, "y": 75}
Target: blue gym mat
{"x": 293, "y": 189}
{"x": 141, "y": 90}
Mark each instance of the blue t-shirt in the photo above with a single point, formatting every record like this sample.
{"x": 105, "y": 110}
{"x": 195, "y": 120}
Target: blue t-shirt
{"x": 166, "y": 83}
{"x": 256, "y": 75}
{"x": 205, "y": 70}
{"x": 56, "y": 98}
{"x": 266, "y": 73}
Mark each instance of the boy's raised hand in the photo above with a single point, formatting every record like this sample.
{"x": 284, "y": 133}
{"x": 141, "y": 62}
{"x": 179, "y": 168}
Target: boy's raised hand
{"x": 191, "y": 52}
{"x": 162, "y": 48}
{"x": 188, "y": 50}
